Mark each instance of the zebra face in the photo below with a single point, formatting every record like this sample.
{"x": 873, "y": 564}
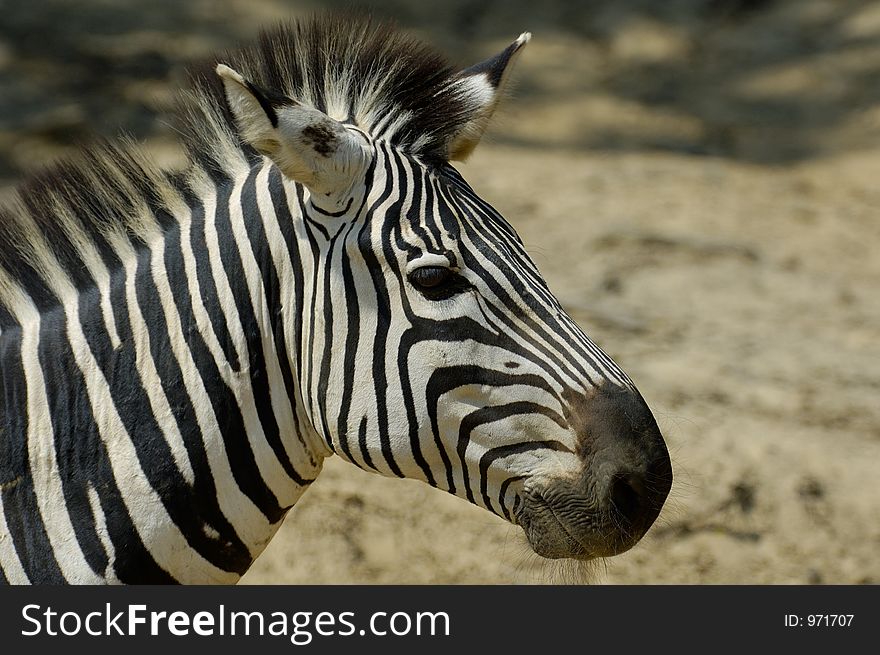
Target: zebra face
{"x": 433, "y": 348}
{"x": 497, "y": 395}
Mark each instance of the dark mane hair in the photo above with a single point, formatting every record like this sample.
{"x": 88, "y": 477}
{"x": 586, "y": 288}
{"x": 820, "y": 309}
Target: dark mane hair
{"x": 353, "y": 68}
{"x": 347, "y": 65}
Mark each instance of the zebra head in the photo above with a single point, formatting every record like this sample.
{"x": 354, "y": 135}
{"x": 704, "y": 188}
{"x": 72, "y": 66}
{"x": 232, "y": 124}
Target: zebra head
{"x": 431, "y": 347}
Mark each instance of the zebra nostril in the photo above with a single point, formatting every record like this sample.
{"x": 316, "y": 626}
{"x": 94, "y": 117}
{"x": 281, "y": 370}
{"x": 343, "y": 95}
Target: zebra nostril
{"x": 626, "y": 495}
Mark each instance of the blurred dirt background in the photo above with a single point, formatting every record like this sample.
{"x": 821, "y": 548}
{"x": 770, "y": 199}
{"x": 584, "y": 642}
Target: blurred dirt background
{"x": 697, "y": 181}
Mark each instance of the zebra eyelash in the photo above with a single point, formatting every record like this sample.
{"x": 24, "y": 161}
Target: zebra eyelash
{"x": 436, "y": 282}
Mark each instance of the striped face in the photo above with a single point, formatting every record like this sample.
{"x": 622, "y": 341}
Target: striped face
{"x": 434, "y": 349}
{"x": 452, "y": 362}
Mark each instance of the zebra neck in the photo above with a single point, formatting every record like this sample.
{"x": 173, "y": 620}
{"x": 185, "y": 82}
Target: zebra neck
{"x": 248, "y": 271}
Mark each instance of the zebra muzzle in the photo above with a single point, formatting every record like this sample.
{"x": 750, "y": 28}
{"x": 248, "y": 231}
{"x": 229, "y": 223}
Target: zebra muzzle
{"x": 611, "y": 503}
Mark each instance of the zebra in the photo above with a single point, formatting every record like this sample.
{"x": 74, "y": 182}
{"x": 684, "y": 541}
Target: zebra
{"x": 182, "y": 348}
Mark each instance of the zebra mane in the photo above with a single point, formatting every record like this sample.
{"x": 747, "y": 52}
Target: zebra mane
{"x": 349, "y": 66}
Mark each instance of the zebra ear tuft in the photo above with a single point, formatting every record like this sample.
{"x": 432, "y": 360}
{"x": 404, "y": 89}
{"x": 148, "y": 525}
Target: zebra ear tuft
{"x": 485, "y": 83}
{"x": 307, "y": 145}
{"x": 254, "y": 113}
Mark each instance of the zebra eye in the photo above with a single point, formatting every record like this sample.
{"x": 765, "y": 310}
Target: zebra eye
{"x": 430, "y": 277}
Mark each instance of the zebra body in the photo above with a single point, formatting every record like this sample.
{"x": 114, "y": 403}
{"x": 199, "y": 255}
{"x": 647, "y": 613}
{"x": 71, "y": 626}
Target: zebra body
{"x": 180, "y": 351}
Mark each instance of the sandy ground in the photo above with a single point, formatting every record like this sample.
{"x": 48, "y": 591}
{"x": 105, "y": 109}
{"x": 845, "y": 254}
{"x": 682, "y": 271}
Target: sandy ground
{"x": 698, "y": 185}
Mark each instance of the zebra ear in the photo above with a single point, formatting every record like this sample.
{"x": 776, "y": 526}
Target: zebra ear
{"x": 485, "y": 83}
{"x": 306, "y": 144}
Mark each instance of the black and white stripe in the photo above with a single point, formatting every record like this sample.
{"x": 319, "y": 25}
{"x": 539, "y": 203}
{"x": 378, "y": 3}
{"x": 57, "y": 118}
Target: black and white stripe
{"x": 180, "y": 351}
